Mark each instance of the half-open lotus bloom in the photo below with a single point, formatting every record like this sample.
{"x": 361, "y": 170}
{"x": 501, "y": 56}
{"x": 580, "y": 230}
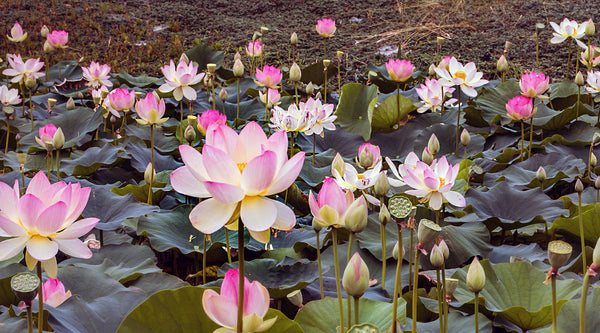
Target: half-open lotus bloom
{"x": 150, "y": 110}
{"x": 271, "y": 98}
{"x": 592, "y": 54}
{"x": 533, "y": 84}
{"x": 46, "y": 138}
{"x": 467, "y": 76}
{"x": 238, "y": 172}
{"x": 432, "y": 95}
{"x": 58, "y": 39}
{"x": 97, "y": 75}
{"x": 54, "y": 292}
{"x": 180, "y": 79}
{"x": 20, "y": 70}
{"x": 593, "y": 81}
{"x": 568, "y": 29}
{"x": 9, "y": 96}
{"x": 210, "y": 117}
{"x": 44, "y": 219}
{"x": 16, "y": 34}
{"x": 269, "y": 77}
{"x": 322, "y": 114}
{"x": 354, "y": 180}
{"x": 333, "y": 204}
{"x": 222, "y": 308}
{"x": 368, "y": 155}
{"x": 326, "y": 27}
{"x": 433, "y": 183}
{"x": 520, "y": 108}
{"x": 399, "y": 70}
{"x": 120, "y": 100}
{"x": 254, "y": 49}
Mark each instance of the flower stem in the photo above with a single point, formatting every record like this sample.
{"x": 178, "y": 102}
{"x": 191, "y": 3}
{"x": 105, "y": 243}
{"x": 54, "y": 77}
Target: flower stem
{"x": 383, "y": 254}
{"x": 320, "y": 267}
{"x": 410, "y": 256}
{"x": 227, "y": 245}
{"x": 398, "y": 101}
{"x": 152, "y": 160}
{"x": 40, "y": 299}
{"x": 58, "y": 165}
{"x": 48, "y": 157}
{"x": 444, "y": 304}
{"x": 237, "y": 117}
{"x": 584, "y": 291}
{"x": 204, "y": 260}
{"x": 458, "y": 121}
{"x": 577, "y": 61}
{"x": 240, "y": 309}
{"x": 530, "y": 137}
{"x": 398, "y": 282}
{"x": 356, "y": 299}
{"x": 441, "y": 298}
{"x": 337, "y": 278}
{"x": 477, "y": 312}
{"x": 180, "y": 121}
{"x": 30, "y": 110}
{"x": 414, "y": 292}
{"x": 537, "y": 51}
{"x": 7, "y": 133}
{"x": 583, "y": 256}
{"x": 314, "y": 146}
{"x": 325, "y": 86}
{"x": 554, "y": 308}
{"x": 569, "y": 59}
{"x": 522, "y": 138}
{"x": 29, "y": 319}
{"x": 350, "y": 241}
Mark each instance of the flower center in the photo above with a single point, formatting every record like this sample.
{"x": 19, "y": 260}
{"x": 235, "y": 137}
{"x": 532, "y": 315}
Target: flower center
{"x": 442, "y": 182}
{"x": 361, "y": 176}
{"x": 241, "y": 166}
{"x": 461, "y": 75}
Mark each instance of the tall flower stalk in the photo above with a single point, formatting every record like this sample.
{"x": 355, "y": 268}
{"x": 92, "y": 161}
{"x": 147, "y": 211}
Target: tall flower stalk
{"x": 559, "y": 253}
{"x": 590, "y": 272}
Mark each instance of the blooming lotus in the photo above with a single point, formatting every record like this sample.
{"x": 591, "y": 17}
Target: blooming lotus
{"x": 44, "y": 220}
{"x": 54, "y": 292}
{"x": 9, "y": 96}
{"x": 222, "y": 308}
{"x": 445, "y": 63}
{"x": 254, "y": 49}
{"x": 49, "y": 135}
{"x": 269, "y": 77}
{"x": 120, "y": 100}
{"x": 150, "y": 110}
{"x": 22, "y": 70}
{"x": 353, "y": 180}
{"x": 237, "y": 172}
{"x": 16, "y": 33}
{"x": 410, "y": 163}
{"x": 590, "y": 57}
{"x": 180, "y": 79}
{"x": 433, "y": 183}
{"x": 593, "y": 81}
{"x": 57, "y": 39}
{"x": 333, "y": 204}
{"x": 326, "y": 27}
{"x": 294, "y": 119}
{"x": 399, "y": 70}
{"x": 568, "y": 29}
{"x": 520, "y": 108}
{"x": 210, "y": 117}
{"x": 467, "y": 76}
{"x": 270, "y": 98}
{"x": 321, "y": 114}
{"x": 97, "y": 75}
{"x": 533, "y": 84}
{"x": 432, "y": 95}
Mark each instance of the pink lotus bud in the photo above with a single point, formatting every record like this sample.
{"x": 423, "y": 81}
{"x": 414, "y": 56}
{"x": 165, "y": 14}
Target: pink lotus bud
{"x": 254, "y": 49}
{"x": 382, "y": 184}
{"x": 520, "y": 108}
{"x": 184, "y": 58}
{"x": 540, "y": 175}
{"x": 54, "y": 293}
{"x": 399, "y": 70}
{"x": 436, "y": 257}
{"x": 338, "y": 164}
{"x": 223, "y": 95}
{"x": 356, "y": 215}
{"x": 465, "y": 137}
{"x": 208, "y": 118}
{"x": 58, "y": 39}
{"x": 426, "y": 156}
{"x": 578, "y": 186}
{"x": 16, "y": 33}
{"x": 444, "y": 248}
{"x": 534, "y": 84}
{"x": 70, "y": 103}
{"x": 238, "y": 68}
{"x": 271, "y": 98}
{"x": 475, "y": 276}
{"x": 590, "y": 28}
{"x": 445, "y": 63}
{"x": 433, "y": 144}
{"x": 46, "y": 136}
{"x": 368, "y": 155}
{"x": 149, "y": 174}
{"x": 326, "y": 27}
{"x": 190, "y": 133}
{"x": 356, "y": 276}
{"x": 502, "y": 64}
{"x": 579, "y": 80}
{"x": 384, "y": 214}
{"x": 269, "y": 77}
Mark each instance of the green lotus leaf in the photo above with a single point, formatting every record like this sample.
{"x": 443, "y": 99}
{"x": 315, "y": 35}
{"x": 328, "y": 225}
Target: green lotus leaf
{"x": 154, "y": 282}
{"x": 355, "y": 109}
{"x": 179, "y": 311}
{"x": 315, "y": 73}
{"x": 86, "y": 162}
{"x": 162, "y": 143}
{"x": 578, "y": 133}
{"x": 72, "y": 88}
{"x": 550, "y": 120}
{"x": 142, "y": 81}
{"x": 568, "y": 317}
{"x": 142, "y": 156}
{"x": 364, "y": 328}
{"x": 563, "y": 94}
{"x": 69, "y": 70}
{"x": 203, "y": 55}
{"x": 591, "y": 224}
{"x": 388, "y": 115}
{"x": 493, "y": 101}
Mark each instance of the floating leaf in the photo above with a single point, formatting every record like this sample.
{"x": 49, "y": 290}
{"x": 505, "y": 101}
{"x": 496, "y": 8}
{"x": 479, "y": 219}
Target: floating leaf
{"x": 568, "y": 317}
{"x": 591, "y": 224}
{"x": 355, "y": 108}
{"x": 387, "y": 115}
{"x": 86, "y": 162}
{"x": 493, "y": 101}
{"x": 142, "y": 81}
{"x": 203, "y": 55}
{"x": 112, "y": 209}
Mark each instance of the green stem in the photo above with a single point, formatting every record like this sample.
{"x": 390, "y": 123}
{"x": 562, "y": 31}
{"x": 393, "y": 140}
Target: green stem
{"x": 320, "y": 267}
{"x": 584, "y": 291}
{"x": 537, "y": 51}
{"x": 337, "y": 278}
{"x": 458, "y": 121}
{"x": 237, "y": 116}
{"x": 398, "y": 282}
{"x": 441, "y": 298}
{"x": 48, "y": 157}
{"x": 29, "y": 319}
{"x": 214, "y": 96}
{"x": 204, "y": 260}
{"x": 152, "y": 161}
{"x": 444, "y": 304}
{"x": 414, "y": 292}
{"x": 569, "y": 59}
{"x": 325, "y": 49}
{"x": 40, "y": 299}
{"x": 578, "y": 99}
{"x": 530, "y": 136}
{"x": 58, "y": 165}
{"x": 477, "y": 312}
{"x": 356, "y": 299}
{"x": 325, "y": 86}
{"x": 240, "y": 309}
{"x": 522, "y": 138}
{"x": 350, "y": 242}
{"x": 577, "y": 61}
{"x": 398, "y": 101}
{"x": 339, "y": 76}
{"x": 227, "y": 245}
{"x": 315, "y": 145}
{"x": 583, "y": 256}
{"x": 22, "y": 94}
{"x": 7, "y": 133}
{"x": 181, "y": 121}
{"x": 384, "y": 254}
{"x": 410, "y": 256}
{"x": 554, "y": 307}
{"x": 30, "y": 109}
{"x": 267, "y": 105}
{"x": 296, "y": 94}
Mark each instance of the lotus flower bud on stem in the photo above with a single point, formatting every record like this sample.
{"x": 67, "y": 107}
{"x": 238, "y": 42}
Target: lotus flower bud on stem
{"x": 502, "y": 64}
{"x": 338, "y": 164}
{"x": 237, "y": 56}
{"x": 436, "y": 257}
{"x": 595, "y": 266}
{"x": 579, "y": 80}
{"x": 294, "y": 38}
{"x": 590, "y": 29}
{"x": 58, "y": 140}
{"x": 356, "y": 276}
{"x": 597, "y": 183}
{"x": 426, "y": 156}
{"x": 223, "y": 95}
{"x": 184, "y": 58}
{"x": 310, "y": 89}
{"x": 596, "y": 138}
{"x": 70, "y": 104}
{"x": 384, "y": 214}
{"x": 295, "y": 73}
{"x": 433, "y": 145}
{"x": 295, "y": 297}
{"x": 540, "y": 175}
{"x": 593, "y": 160}
{"x": 465, "y": 137}
{"x": 44, "y": 31}
{"x": 30, "y": 82}
{"x": 149, "y": 174}
{"x": 190, "y": 133}
{"x": 396, "y": 251}
{"x": 356, "y": 216}
{"x": 238, "y": 68}
{"x": 316, "y": 227}
{"x": 382, "y": 184}
{"x": 559, "y": 253}
{"x": 475, "y": 276}
{"x": 444, "y": 248}
{"x": 578, "y": 186}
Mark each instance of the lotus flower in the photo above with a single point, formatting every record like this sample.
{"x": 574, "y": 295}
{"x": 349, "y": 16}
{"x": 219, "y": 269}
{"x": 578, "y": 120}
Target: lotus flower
{"x": 533, "y": 84}
{"x": 9, "y": 96}
{"x": 326, "y": 27}
{"x": 592, "y": 54}
{"x": 180, "y": 79}
{"x": 356, "y": 276}
{"x": 97, "y": 75}
{"x": 353, "y": 180}
{"x": 254, "y": 49}
{"x": 150, "y": 110}
{"x": 269, "y": 77}
{"x": 467, "y": 77}
{"x": 294, "y": 119}
{"x": 410, "y": 163}
{"x": 568, "y": 29}
{"x": 22, "y": 70}
{"x": 520, "y": 108}
{"x": 271, "y": 98}
{"x": 238, "y": 172}
{"x": 368, "y": 156}
{"x": 433, "y": 183}
{"x": 48, "y": 136}
{"x": 333, "y": 205}
{"x": 321, "y": 114}
{"x": 399, "y": 70}
{"x": 593, "y": 81}
{"x": 16, "y": 33}
{"x": 222, "y": 308}
{"x": 57, "y": 39}
{"x": 44, "y": 219}
{"x": 210, "y": 117}
{"x": 432, "y": 95}
{"x": 54, "y": 292}
{"x": 120, "y": 100}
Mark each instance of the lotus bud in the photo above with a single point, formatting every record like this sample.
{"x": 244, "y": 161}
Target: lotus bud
{"x": 502, "y": 64}
{"x": 384, "y": 214}
{"x": 184, "y": 58}
{"x": 30, "y": 81}
{"x": 579, "y": 80}
{"x": 44, "y": 31}
{"x": 295, "y": 73}
{"x": 310, "y": 89}
{"x": 397, "y": 250}
{"x": 295, "y": 297}
{"x": 593, "y": 160}
{"x": 596, "y": 254}
{"x": 427, "y": 231}
{"x": 540, "y": 175}
{"x": 190, "y": 133}
{"x": 338, "y": 165}
{"x": 25, "y": 286}
{"x": 578, "y": 186}
{"x": 294, "y": 38}
{"x": 426, "y": 156}
{"x": 238, "y": 68}
{"x": 208, "y": 81}
{"x": 211, "y": 67}
{"x": 356, "y": 217}
{"x": 597, "y": 183}
{"x": 596, "y": 138}
{"x": 316, "y": 226}
{"x": 326, "y": 63}
{"x": 70, "y": 104}
{"x": 451, "y": 285}
{"x": 590, "y": 29}
{"x": 559, "y": 253}
{"x": 47, "y": 47}
{"x": 431, "y": 70}
{"x": 465, "y": 137}
{"x": 507, "y": 46}
{"x": 440, "y": 40}
{"x": 356, "y": 276}
{"x": 444, "y": 248}
{"x": 149, "y": 174}
{"x": 382, "y": 184}
{"x": 264, "y": 30}
{"x": 433, "y": 145}
{"x": 58, "y": 140}
{"x": 256, "y": 35}
{"x": 436, "y": 257}
{"x": 223, "y": 95}
{"x": 51, "y": 102}
{"x": 475, "y": 276}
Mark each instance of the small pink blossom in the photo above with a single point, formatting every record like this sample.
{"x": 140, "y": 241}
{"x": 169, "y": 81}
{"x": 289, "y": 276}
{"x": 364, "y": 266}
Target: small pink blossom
{"x": 46, "y": 133}
{"x": 399, "y": 70}
{"x": 432, "y": 95}
{"x": 592, "y": 54}
{"x": 593, "y": 81}
{"x": 9, "y": 96}
{"x": 20, "y": 70}
{"x": 180, "y": 80}
{"x": 271, "y": 98}
{"x": 150, "y": 110}
{"x": 533, "y": 84}
{"x": 254, "y": 49}
{"x": 97, "y": 75}
{"x": 520, "y": 108}
{"x": 326, "y": 27}
{"x": 210, "y": 117}
{"x": 58, "y": 39}
{"x": 54, "y": 293}
{"x": 269, "y": 77}
{"x": 120, "y": 100}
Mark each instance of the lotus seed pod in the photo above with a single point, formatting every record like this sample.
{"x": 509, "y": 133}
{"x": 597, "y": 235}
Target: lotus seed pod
{"x": 44, "y": 31}
{"x": 436, "y": 257}
{"x": 475, "y": 276}
{"x": 382, "y": 184}
{"x": 440, "y": 40}
{"x": 596, "y": 253}
{"x": 590, "y": 29}
{"x": 190, "y": 133}
{"x": 30, "y": 82}
{"x": 384, "y": 214}
{"x": 433, "y": 144}
{"x": 223, "y": 95}
{"x": 593, "y": 160}
{"x": 295, "y": 297}
{"x": 426, "y": 156}
{"x": 326, "y": 63}
{"x": 540, "y": 175}
{"x": 310, "y": 89}
{"x": 451, "y": 285}
{"x": 356, "y": 276}
{"x": 51, "y": 102}
{"x": 444, "y": 248}
{"x": 400, "y": 206}
{"x": 264, "y": 30}
{"x": 192, "y": 120}
{"x": 339, "y": 55}
{"x": 25, "y": 286}
{"x": 578, "y": 186}
{"x": 508, "y": 45}
{"x": 294, "y": 38}
{"x": 579, "y": 80}
{"x": 338, "y": 165}
{"x": 539, "y": 27}
{"x": 502, "y": 64}
{"x": 295, "y": 73}
{"x": 211, "y": 67}
{"x": 396, "y": 250}
{"x": 149, "y": 174}
{"x": 58, "y": 140}
{"x": 427, "y": 231}
{"x": 8, "y": 109}
{"x": 357, "y": 215}
{"x": 70, "y": 104}
{"x": 238, "y": 68}
{"x": 559, "y": 253}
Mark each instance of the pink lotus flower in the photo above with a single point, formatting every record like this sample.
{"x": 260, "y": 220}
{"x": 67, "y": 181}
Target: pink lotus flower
{"x": 333, "y": 205}
{"x": 354, "y": 180}
{"x": 44, "y": 220}
{"x": 22, "y": 70}
{"x": 222, "y": 308}
{"x": 254, "y": 49}
{"x": 533, "y": 84}
{"x": 47, "y": 135}
{"x": 467, "y": 77}
{"x": 445, "y": 63}
{"x": 593, "y": 54}
{"x": 399, "y": 70}
{"x": 593, "y": 81}
{"x": 16, "y": 34}
{"x": 97, "y": 75}
{"x": 433, "y": 183}
{"x": 180, "y": 79}
{"x": 432, "y": 95}
{"x": 54, "y": 293}
{"x": 410, "y": 163}
{"x": 150, "y": 110}
{"x": 322, "y": 114}
{"x": 271, "y": 98}
{"x": 238, "y": 172}
{"x": 210, "y": 117}
{"x": 120, "y": 100}
{"x": 368, "y": 155}
{"x": 58, "y": 39}
{"x": 326, "y": 27}
{"x": 9, "y": 96}
{"x": 269, "y": 77}
{"x": 520, "y": 108}
{"x": 294, "y": 119}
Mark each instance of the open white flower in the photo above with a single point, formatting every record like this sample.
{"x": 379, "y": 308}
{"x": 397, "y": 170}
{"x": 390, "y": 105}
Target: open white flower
{"x": 568, "y": 29}
{"x": 467, "y": 77}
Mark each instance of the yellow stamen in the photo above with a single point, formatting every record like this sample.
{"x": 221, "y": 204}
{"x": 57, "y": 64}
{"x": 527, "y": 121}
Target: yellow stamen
{"x": 442, "y": 182}
{"x": 460, "y": 74}
{"x": 361, "y": 176}
{"x": 241, "y": 166}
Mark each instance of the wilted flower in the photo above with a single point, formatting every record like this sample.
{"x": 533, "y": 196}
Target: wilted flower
{"x": 120, "y": 100}
{"x": 568, "y": 29}
{"x": 467, "y": 77}
{"x": 97, "y": 75}
{"x": 57, "y": 39}
{"x": 399, "y": 70}
{"x": 520, "y": 108}
{"x": 210, "y": 117}
{"x": 356, "y": 276}
{"x": 180, "y": 79}
{"x": 9, "y": 96}
{"x": 16, "y": 33}
{"x": 269, "y": 77}
{"x": 22, "y": 70}
{"x": 533, "y": 84}
{"x": 326, "y": 27}
{"x": 432, "y": 95}
{"x": 254, "y": 49}
{"x": 150, "y": 110}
